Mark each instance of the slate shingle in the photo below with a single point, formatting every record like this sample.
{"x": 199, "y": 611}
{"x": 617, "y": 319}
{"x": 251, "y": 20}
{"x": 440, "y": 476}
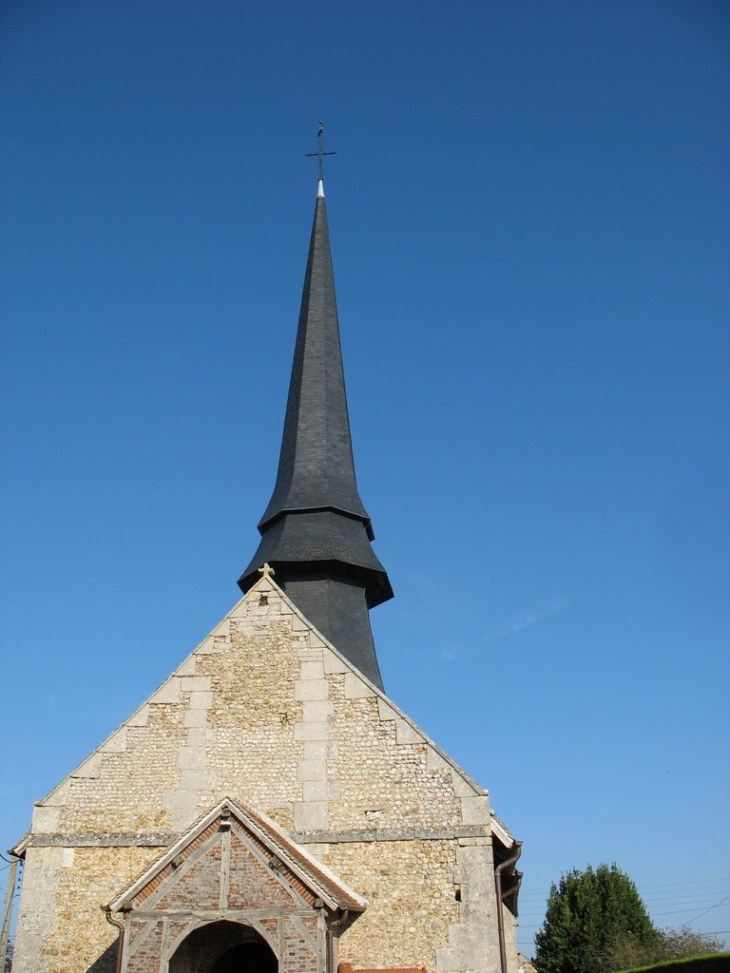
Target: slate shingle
{"x": 315, "y": 531}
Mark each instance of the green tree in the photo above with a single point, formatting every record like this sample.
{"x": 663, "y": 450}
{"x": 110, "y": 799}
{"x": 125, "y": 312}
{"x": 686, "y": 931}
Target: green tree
{"x": 592, "y": 919}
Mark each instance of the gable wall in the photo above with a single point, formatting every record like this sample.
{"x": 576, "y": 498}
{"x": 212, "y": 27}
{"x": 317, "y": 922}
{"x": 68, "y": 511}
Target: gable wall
{"x": 264, "y": 711}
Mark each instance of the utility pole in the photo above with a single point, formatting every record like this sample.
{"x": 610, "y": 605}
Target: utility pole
{"x": 9, "y": 893}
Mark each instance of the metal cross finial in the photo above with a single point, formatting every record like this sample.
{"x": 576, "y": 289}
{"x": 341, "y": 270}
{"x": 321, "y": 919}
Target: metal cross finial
{"x": 321, "y": 153}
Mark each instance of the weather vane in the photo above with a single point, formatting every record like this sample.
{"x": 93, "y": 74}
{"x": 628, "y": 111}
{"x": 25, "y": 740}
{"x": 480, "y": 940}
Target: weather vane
{"x": 321, "y": 153}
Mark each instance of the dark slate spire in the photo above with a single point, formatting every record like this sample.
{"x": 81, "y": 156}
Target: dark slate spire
{"x": 316, "y": 532}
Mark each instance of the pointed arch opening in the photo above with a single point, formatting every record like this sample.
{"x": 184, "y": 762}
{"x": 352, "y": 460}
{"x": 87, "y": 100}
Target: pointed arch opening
{"x": 224, "y": 947}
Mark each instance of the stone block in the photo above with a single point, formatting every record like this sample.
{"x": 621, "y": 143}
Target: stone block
{"x": 211, "y": 645}
{"x": 475, "y": 810}
{"x": 316, "y": 750}
{"x": 196, "y": 717}
{"x": 311, "y": 731}
{"x": 435, "y": 762}
{"x": 462, "y": 787}
{"x": 278, "y": 604}
{"x": 197, "y": 780}
{"x": 320, "y": 790}
{"x": 448, "y": 959}
{"x": 385, "y": 710}
{"x": 187, "y": 668}
{"x": 404, "y": 733}
{"x": 46, "y": 820}
{"x": 312, "y": 669}
{"x": 312, "y": 770}
{"x": 238, "y": 611}
{"x": 333, "y": 664}
{"x": 474, "y": 858}
{"x": 301, "y": 644}
{"x": 191, "y": 758}
{"x": 141, "y": 717}
{"x": 58, "y": 796}
{"x": 117, "y": 742}
{"x": 183, "y": 817}
{"x": 176, "y": 798}
{"x": 192, "y": 684}
{"x": 317, "y": 850}
{"x": 201, "y": 700}
{"x": 311, "y": 816}
{"x": 311, "y": 689}
{"x": 199, "y": 736}
{"x": 90, "y": 767}
{"x": 316, "y": 710}
{"x": 169, "y": 692}
{"x": 355, "y": 687}
{"x": 473, "y": 957}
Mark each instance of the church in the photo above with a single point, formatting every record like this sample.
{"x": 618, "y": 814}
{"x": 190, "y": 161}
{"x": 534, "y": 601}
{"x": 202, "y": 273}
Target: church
{"x": 269, "y": 809}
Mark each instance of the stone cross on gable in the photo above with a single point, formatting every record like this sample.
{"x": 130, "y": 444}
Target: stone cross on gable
{"x": 266, "y": 571}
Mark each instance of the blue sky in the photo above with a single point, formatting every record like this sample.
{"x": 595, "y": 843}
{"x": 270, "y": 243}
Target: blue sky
{"x": 530, "y": 219}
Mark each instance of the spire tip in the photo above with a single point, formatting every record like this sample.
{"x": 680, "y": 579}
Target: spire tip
{"x": 320, "y": 189}
{"x": 320, "y": 154}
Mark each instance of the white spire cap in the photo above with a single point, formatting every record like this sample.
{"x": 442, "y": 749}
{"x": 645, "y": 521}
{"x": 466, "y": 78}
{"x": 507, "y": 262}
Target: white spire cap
{"x": 320, "y": 189}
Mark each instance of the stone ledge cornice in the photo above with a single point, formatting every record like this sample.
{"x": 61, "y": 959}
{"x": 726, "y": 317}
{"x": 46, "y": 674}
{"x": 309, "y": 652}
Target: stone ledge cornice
{"x": 390, "y": 834}
{"x": 301, "y": 838}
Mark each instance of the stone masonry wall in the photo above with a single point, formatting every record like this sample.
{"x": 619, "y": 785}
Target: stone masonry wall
{"x": 266, "y": 712}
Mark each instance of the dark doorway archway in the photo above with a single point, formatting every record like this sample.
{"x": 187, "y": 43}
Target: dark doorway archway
{"x": 224, "y": 947}
{"x": 247, "y": 958}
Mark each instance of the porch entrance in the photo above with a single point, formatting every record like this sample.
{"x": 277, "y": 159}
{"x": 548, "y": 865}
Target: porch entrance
{"x": 224, "y": 947}
{"x": 247, "y": 958}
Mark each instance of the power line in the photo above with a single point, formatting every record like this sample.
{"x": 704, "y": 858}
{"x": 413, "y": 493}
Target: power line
{"x": 696, "y": 881}
{"x": 698, "y": 892}
{"x": 661, "y": 886}
{"x": 721, "y": 902}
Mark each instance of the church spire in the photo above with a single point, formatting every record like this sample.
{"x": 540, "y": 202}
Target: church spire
{"x": 315, "y": 531}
